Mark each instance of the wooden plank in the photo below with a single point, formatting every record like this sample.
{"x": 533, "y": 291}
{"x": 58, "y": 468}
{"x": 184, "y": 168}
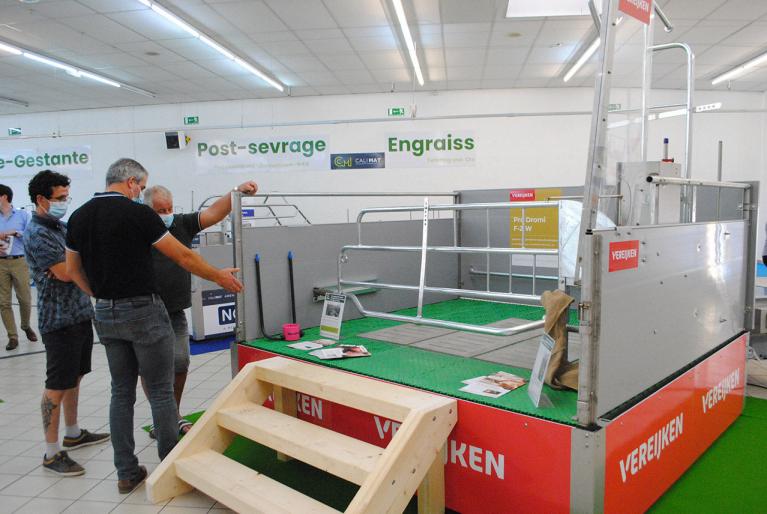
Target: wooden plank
{"x": 431, "y": 492}
{"x": 285, "y": 402}
{"x": 362, "y": 393}
{"x": 243, "y": 489}
{"x": 405, "y": 462}
{"x": 205, "y": 434}
{"x": 340, "y": 455}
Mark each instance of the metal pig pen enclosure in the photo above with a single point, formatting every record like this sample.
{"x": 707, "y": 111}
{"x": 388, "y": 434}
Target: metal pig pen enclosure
{"x": 663, "y": 278}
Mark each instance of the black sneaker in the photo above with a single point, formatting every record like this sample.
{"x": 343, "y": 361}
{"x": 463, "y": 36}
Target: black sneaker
{"x": 62, "y": 465}
{"x": 85, "y": 439}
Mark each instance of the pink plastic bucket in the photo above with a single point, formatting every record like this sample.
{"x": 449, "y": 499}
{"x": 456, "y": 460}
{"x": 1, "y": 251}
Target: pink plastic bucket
{"x": 291, "y": 331}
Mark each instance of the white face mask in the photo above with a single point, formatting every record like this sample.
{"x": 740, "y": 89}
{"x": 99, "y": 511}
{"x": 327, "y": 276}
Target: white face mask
{"x": 57, "y": 210}
{"x": 167, "y": 219}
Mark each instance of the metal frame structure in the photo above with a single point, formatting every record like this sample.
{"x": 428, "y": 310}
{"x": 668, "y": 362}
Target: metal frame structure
{"x": 591, "y": 251}
{"x": 424, "y": 249}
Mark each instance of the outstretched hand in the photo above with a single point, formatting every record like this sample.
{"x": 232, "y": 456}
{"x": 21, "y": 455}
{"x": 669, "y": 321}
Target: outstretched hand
{"x": 228, "y": 281}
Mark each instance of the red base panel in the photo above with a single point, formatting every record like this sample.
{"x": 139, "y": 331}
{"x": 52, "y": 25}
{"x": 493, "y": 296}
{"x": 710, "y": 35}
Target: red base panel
{"x": 500, "y": 461}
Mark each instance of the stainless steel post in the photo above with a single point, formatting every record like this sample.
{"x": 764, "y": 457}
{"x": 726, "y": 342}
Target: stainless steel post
{"x": 487, "y": 255}
{"x": 686, "y": 207}
{"x": 239, "y": 262}
{"x": 719, "y": 179}
{"x": 424, "y": 246}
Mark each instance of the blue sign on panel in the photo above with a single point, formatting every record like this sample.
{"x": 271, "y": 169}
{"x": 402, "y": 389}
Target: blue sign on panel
{"x": 248, "y": 213}
{"x": 352, "y": 161}
{"x": 226, "y": 315}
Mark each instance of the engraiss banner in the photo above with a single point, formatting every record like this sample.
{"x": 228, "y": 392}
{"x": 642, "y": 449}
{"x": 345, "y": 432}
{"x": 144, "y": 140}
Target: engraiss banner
{"x": 25, "y": 162}
{"x": 238, "y": 155}
{"x": 431, "y": 149}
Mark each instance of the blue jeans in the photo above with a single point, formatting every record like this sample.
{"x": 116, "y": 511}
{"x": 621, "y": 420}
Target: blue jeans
{"x": 138, "y": 339}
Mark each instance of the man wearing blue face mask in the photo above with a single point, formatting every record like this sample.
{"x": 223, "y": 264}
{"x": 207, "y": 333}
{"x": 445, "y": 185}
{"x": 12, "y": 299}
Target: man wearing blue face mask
{"x": 173, "y": 282}
{"x": 64, "y": 319}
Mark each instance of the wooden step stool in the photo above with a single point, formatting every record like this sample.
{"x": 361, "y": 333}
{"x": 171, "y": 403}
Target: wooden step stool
{"x": 388, "y": 477}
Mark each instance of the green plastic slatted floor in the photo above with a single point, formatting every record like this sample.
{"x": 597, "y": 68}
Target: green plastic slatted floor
{"x": 438, "y": 372}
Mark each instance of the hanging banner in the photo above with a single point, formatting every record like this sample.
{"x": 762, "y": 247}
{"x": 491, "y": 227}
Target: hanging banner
{"x": 27, "y": 162}
{"x": 540, "y": 225}
{"x": 290, "y": 153}
{"x": 639, "y": 9}
{"x": 429, "y": 149}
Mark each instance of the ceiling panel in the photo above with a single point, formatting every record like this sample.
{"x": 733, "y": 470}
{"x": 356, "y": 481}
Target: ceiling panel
{"x": 302, "y": 14}
{"x": 337, "y": 46}
{"x": 104, "y": 29}
{"x": 357, "y": 13}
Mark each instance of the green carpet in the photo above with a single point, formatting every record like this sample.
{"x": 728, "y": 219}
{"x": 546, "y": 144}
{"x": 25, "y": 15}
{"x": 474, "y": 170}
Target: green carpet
{"x": 730, "y": 477}
{"x": 437, "y": 372}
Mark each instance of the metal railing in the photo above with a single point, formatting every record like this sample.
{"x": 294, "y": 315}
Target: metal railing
{"x": 424, "y": 249}
{"x": 694, "y": 186}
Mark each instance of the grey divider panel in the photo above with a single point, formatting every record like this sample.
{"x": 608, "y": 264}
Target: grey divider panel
{"x": 219, "y": 256}
{"x": 685, "y": 298}
{"x": 473, "y": 233}
{"x": 316, "y": 248}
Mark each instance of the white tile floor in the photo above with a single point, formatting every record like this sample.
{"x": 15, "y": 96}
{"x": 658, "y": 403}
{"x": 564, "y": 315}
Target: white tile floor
{"x": 26, "y": 488}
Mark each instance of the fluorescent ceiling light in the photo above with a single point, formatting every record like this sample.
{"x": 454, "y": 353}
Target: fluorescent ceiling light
{"x": 709, "y": 107}
{"x": 5, "y": 99}
{"x": 585, "y": 56}
{"x": 175, "y": 20}
{"x": 408, "y": 40}
{"x": 194, "y": 32}
{"x": 50, "y": 62}
{"x": 681, "y": 112}
{"x": 742, "y": 69}
{"x": 538, "y": 8}
{"x": 10, "y": 49}
{"x": 99, "y": 78}
{"x": 71, "y": 70}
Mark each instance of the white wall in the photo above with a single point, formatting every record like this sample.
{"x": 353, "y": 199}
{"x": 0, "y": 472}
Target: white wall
{"x": 520, "y": 151}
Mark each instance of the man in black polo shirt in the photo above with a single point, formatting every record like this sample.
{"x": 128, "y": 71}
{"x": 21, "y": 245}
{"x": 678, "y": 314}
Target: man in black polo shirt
{"x": 109, "y": 244}
{"x": 174, "y": 283}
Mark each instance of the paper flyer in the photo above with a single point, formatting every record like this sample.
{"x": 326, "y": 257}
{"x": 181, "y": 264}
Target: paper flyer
{"x": 332, "y": 315}
{"x": 535, "y": 389}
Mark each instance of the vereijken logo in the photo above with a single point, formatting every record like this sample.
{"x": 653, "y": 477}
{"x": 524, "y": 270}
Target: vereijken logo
{"x": 521, "y": 195}
{"x": 639, "y": 9}
{"x": 623, "y": 255}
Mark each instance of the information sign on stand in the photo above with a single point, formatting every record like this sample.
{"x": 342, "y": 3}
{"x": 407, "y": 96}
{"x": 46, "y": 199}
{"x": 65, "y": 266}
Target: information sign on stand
{"x": 332, "y": 315}
{"x": 535, "y": 389}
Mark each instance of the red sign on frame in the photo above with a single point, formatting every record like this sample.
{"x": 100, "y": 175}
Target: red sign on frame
{"x": 639, "y": 9}
{"x": 623, "y": 255}
{"x": 522, "y": 195}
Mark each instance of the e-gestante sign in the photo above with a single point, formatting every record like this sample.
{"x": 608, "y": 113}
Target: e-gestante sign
{"x": 294, "y": 153}
{"x": 28, "y": 161}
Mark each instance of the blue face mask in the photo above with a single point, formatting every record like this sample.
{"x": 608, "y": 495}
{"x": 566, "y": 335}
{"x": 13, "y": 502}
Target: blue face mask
{"x": 139, "y": 200}
{"x": 167, "y": 219}
{"x": 57, "y": 210}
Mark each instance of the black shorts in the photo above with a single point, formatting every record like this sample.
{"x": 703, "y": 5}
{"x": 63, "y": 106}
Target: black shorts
{"x": 68, "y": 355}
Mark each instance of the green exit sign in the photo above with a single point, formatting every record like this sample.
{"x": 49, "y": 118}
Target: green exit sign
{"x": 191, "y": 120}
{"x": 14, "y": 131}
{"x": 396, "y": 111}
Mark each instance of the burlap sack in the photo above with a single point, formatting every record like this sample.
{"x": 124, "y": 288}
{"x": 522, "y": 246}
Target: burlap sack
{"x": 560, "y": 374}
